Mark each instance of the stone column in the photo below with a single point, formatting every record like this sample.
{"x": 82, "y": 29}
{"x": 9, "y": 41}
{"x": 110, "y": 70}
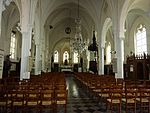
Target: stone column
{"x": 1, "y": 51}
{"x": 38, "y": 63}
{"x": 120, "y": 57}
{"x": 1, "y": 9}
{"x": 25, "y": 53}
{"x": 88, "y": 59}
{"x": 49, "y": 64}
{"x": 101, "y": 61}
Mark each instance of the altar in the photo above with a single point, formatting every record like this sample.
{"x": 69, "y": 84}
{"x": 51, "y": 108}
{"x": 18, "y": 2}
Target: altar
{"x": 65, "y": 68}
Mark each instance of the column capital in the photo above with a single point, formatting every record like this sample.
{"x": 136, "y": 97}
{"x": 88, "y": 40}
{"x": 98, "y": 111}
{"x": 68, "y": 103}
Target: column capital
{"x": 26, "y": 28}
{"x": 122, "y": 38}
{"x": 102, "y": 47}
{"x": 37, "y": 44}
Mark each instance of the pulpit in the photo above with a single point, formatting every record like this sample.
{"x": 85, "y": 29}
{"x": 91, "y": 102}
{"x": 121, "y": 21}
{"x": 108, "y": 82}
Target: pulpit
{"x": 93, "y": 48}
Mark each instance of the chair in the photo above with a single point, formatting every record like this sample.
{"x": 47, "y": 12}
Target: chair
{"x": 144, "y": 100}
{"x": 61, "y": 99}
{"x": 47, "y": 99}
{"x": 17, "y": 100}
{"x": 130, "y": 98}
{"x": 105, "y": 92}
{"x": 3, "y": 99}
{"x": 115, "y": 97}
{"x": 32, "y": 99}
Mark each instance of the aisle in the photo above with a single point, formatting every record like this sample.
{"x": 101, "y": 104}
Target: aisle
{"x": 79, "y": 100}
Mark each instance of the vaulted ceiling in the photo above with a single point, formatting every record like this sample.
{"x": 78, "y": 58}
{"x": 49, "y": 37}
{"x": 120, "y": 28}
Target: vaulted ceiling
{"x": 60, "y": 14}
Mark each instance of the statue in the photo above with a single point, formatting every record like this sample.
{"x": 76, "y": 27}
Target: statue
{"x": 65, "y": 62}
{"x": 7, "y": 66}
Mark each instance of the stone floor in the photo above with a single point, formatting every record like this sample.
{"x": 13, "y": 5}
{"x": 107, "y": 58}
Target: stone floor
{"x": 79, "y": 99}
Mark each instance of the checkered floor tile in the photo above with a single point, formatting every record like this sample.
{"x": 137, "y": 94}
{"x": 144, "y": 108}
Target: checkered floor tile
{"x": 79, "y": 100}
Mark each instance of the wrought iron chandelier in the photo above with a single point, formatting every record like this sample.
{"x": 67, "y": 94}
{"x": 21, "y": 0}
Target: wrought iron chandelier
{"x": 77, "y": 43}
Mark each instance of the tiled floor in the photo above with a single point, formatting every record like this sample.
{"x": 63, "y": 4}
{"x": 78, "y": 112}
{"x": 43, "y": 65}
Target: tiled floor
{"x": 80, "y": 101}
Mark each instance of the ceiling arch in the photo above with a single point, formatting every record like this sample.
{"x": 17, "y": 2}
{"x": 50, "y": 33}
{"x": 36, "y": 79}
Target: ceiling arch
{"x": 130, "y": 5}
{"x": 106, "y": 26}
{"x": 64, "y": 15}
{"x": 87, "y": 6}
{"x": 67, "y": 11}
{"x": 11, "y": 14}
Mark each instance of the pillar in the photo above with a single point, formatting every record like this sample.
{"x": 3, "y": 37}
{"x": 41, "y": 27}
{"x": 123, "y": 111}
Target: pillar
{"x": 1, "y": 51}
{"x": 120, "y": 57}
{"x": 1, "y": 9}
{"x": 101, "y": 61}
{"x": 49, "y": 63}
{"x": 88, "y": 59}
{"x": 38, "y": 62}
{"x": 25, "y": 53}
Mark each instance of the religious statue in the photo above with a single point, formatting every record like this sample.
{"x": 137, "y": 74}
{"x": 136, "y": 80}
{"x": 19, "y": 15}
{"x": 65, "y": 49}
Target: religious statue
{"x": 65, "y": 62}
{"x": 7, "y": 66}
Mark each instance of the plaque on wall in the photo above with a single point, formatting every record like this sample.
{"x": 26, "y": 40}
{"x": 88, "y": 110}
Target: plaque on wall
{"x": 131, "y": 68}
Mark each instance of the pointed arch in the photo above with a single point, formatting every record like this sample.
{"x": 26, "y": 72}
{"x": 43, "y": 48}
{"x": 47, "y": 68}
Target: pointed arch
{"x": 66, "y": 57}
{"x": 106, "y": 26}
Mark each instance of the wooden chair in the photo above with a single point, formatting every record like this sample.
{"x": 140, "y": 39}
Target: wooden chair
{"x": 60, "y": 87}
{"x": 61, "y": 99}
{"x": 47, "y": 99}
{"x": 17, "y": 100}
{"x": 130, "y": 98}
{"x": 115, "y": 97}
{"x": 105, "y": 92}
{"x": 32, "y": 100}
{"x": 144, "y": 100}
{"x": 47, "y": 87}
{"x": 3, "y": 99}
{"x": 97, "y": 90}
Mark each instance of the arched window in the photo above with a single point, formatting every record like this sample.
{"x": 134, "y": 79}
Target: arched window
{"x": 75, "y": 57}
{"x": 66, "y": 56}
{"x": 56, "y": 56}
{"x": 108, "y": 54}
{"x": 140, "y": 40}
{"x": 13, "y": 46}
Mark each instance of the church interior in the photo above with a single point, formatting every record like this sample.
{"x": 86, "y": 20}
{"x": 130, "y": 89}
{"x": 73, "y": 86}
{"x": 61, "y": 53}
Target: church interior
{"x": 75, "y": 56}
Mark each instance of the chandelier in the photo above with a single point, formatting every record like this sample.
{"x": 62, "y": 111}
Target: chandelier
{"x": 78, "y": 44}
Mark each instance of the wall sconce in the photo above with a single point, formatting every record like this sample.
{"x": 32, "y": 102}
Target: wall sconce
{"x": 113, "y": 52}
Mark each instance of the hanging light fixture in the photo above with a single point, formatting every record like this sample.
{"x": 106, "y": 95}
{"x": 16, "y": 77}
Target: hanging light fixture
{"x": 78, "y": 44}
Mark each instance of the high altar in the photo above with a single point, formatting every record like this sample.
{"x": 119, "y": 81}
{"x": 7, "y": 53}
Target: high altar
{"x": 66, "y": 68}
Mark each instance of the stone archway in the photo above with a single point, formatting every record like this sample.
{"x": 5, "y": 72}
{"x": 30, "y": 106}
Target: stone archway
{"x": 106, "y": 26}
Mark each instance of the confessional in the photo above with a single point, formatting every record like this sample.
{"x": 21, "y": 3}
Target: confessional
{"x": 138, "y": 67}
